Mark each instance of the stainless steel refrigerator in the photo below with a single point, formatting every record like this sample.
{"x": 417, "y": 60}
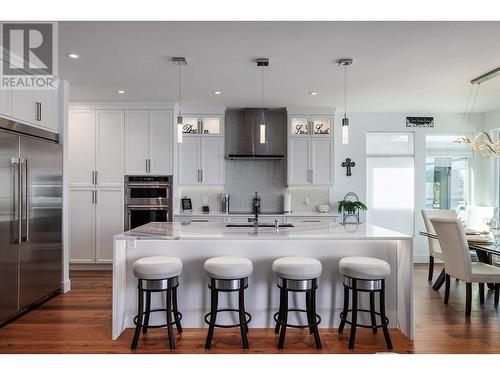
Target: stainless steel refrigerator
{"x": 30, "y": 217}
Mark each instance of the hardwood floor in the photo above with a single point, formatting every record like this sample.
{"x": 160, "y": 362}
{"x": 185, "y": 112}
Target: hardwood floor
{"x": 80, "y": 322}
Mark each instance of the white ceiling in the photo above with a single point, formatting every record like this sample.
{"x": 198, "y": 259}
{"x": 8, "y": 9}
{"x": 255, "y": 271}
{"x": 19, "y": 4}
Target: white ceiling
{"x": 399, "y": 66}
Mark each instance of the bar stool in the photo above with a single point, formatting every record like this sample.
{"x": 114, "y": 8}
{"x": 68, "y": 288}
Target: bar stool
{"x": 157, "y": 274}
{"x": 227, "y": 274}
{"x": 297, "y": 274}
{"x": 364, "y": 274}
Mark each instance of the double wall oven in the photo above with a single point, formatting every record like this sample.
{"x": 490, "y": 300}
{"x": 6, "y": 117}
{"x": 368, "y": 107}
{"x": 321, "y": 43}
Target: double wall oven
{"x": 147, "y": 199}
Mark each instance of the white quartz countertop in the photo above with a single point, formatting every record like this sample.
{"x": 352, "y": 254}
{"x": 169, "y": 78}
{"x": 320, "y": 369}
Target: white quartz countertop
{"x": 219, "y": 231}
{"x": 293, "y": 214}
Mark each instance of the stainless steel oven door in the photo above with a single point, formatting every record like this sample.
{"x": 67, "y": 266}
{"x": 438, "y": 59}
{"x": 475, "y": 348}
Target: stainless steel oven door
{"x": 147, "y": 194}
{"x": 135, "y": 216}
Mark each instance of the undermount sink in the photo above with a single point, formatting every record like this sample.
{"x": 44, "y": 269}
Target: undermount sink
{"x": 260, "y": 225}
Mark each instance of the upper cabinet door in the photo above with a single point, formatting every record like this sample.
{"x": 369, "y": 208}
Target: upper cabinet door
{"x": 322, "y": 161}
{"x": 212, "y": 161}
{"x": 321, "y": 125}
{"x": 110, "y": 148}
{"x": 23, "y": 105}
{"x": 81, "y": 146}
{"x": 82, "y": 226}
{"x": 136, "y": 141}
{"x": 211, "y": 125}
{"x": 161, "y": 142}
{"x": 299, "y": 126}
{"x": 45, "y": 103}
{"x": 299, "y": 168}
{"x": 6, "y": 102}
{"x": 189, "y": 169}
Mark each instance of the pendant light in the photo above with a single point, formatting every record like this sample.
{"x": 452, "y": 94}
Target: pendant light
{"x": 480, "y": 142}
{"x": 263, "y": 62}
{"x": 345, "y": 121}
{"x": 179, "y": 61}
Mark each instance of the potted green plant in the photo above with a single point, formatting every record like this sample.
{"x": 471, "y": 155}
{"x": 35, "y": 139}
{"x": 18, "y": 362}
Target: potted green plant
{"x": 351, "y": 209}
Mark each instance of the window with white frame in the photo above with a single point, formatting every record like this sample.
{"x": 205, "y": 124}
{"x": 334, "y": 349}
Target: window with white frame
{"x": 447, "y": 173}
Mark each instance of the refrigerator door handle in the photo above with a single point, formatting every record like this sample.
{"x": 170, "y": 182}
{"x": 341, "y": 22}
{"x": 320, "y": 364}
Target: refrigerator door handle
{"x": 26, "y": 203}
{"x": 17, "y": 200}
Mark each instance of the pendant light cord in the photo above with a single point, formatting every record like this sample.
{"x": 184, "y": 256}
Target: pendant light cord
{"x": 345, "y": 90}
{"x": 180, "y": 84}
{"x": 262, "y": 88}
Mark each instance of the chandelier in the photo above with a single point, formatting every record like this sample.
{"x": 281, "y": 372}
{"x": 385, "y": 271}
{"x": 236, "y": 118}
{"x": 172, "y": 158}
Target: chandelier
{"x": 481, "y": 142}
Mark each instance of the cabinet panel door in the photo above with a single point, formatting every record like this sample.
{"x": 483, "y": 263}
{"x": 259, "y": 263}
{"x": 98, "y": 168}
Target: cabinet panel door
{"x": 23, "y": 105}
{"x": 6, "y": 102}
{"x": 212, "y": 159}
{"x": 189, "y": 161}
{"x": 298, "y": 161}
{"x": 136, "y": 141}
{"x": 48, "y": 109}
{"x": 81, "y": 226}
{"x": 161, "y": 142}
{"x": 322, "y": 161}
{"x": 81, "y": 147}
{"x": 110, "y": 148}
{"x": 109, "y": 222}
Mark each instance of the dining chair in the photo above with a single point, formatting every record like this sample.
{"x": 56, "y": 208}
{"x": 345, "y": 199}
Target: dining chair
{"x": 434, "y": 248}
{"x": 458, "y": 264}
{"x": 478, "y": 217}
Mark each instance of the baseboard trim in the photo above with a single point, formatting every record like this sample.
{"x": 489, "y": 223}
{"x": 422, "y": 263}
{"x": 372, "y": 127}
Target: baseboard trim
{"x": 417, "y": 259}
{"x": 90, "y": 267}
{"x": 65, "y": 286}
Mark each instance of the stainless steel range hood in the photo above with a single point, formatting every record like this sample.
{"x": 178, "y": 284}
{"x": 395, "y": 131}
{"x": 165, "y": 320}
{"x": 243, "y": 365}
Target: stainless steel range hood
{"x": 246, "y": 137}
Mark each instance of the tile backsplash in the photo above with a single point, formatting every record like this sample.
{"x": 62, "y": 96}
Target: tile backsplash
{"x": 299, "y": 195}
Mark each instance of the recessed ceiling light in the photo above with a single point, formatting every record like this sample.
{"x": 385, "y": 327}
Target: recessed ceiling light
{"x": 73, "y": 56}
{"x": 313, "y": 93}
{"x": 120, "y": 91}
{"x": 217, "y": 92}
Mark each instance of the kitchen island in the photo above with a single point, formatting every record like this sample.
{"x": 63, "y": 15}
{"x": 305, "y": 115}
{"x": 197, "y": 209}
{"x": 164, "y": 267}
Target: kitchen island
{"x": 193, "y": 243}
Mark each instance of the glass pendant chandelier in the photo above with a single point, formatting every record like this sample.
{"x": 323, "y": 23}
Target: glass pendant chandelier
{"x": 180, "y": 61}
{"x": 263, "y": 62}
{"x": 480, "y": 142}
{"x": 345, "y": 121}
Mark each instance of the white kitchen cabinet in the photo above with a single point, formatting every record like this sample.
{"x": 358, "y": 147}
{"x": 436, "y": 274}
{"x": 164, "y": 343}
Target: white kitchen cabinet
{"x": 110, "y": 148}
{"x": 310, "y": 161}
{"x": 202, "y": 124}
{"x": 109, "y": 221}
{"x": 96, "y": 148}
{"x": 6, "y": 102}
{"x": 96, "y": 215}
{"x": 201, "y": 161}
{"x": 45, "y": 109}
{"x": 161, "y": 142}
{"x": 81, "y": 146}
{"x": 23, "y": 105}
{"x": 149, "y": 142}
{"x": 189, "y": 161}
{"x": 81, "y": 226}
{"x": 136, "y": 141}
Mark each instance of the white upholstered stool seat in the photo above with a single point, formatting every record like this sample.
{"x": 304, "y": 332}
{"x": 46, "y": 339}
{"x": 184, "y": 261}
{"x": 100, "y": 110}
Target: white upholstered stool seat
{"x": 364, "y": 268}
{"x": 297, "y": 268}
{"x": 157, "y": 268}
{"x": 228, "y": 267}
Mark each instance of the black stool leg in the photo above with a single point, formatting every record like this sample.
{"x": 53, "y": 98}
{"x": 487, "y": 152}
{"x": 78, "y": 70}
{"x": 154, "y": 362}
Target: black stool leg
{"x": 241, "y": 308}
{"x": 344, "y": 311}
{"x": 280, "y": 317}
{"x": 317, "y": 340}
{"x": 284, "y": 316}
{"x": 140, "y": 306}
{"x": 372, "y": 312}
{"x": 384, "y": 317}
{"x": 431, "y": 268}
{"x": 213, "y": 314}
{"x": 481, "y": 293}
{"x": 468, "y": 298}
{"x": 310, "y": 318}
{"x": 176, "y": 310}
{"x": 171, "y": 338}
{"x": 147, "y": 311}
{"x": 352, "y": 336}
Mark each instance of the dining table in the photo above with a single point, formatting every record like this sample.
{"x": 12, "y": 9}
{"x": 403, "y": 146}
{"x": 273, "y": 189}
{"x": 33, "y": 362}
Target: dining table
{"x": 484, "y": 252}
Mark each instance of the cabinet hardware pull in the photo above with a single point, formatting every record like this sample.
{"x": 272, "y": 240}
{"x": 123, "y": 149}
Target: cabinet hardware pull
{"x": 96, "y": 178}
{"x": 95, "y": 196}
{"x": 149, "y": 165}
{"x": 146, "y": 165}
{"x": 201, "y": 175}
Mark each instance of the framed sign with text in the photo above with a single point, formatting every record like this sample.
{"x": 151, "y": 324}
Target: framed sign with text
{"x": 420, "y": 122}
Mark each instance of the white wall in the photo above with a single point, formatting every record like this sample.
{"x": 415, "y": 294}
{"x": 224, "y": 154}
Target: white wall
{"x": 360, "y": 123}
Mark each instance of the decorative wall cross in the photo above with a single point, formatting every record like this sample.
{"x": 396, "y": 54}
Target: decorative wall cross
{"x": 348, "y": 164}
